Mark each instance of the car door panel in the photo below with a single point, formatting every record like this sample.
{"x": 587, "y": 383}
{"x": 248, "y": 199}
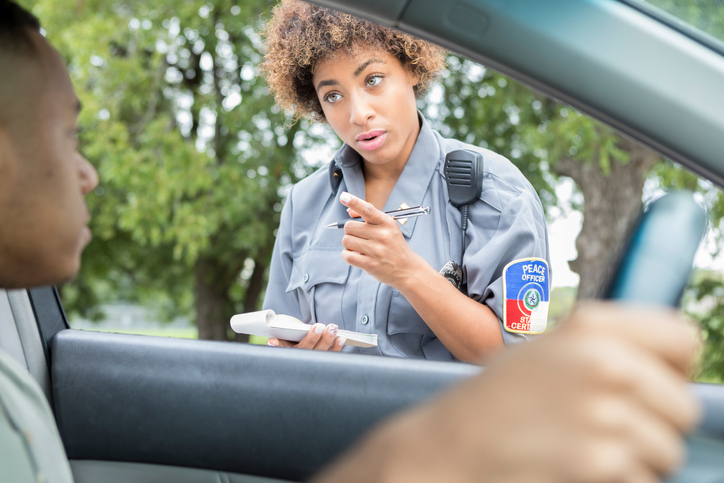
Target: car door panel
{"x": 278, "y": 413}
{"x": 255, "y": 410}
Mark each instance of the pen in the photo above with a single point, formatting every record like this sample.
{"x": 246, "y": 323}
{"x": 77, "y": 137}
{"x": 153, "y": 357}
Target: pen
{"x": 399, "y": 214}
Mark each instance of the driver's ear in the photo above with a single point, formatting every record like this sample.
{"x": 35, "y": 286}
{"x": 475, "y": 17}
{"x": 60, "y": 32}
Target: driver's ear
{"x": 8, "y": 157}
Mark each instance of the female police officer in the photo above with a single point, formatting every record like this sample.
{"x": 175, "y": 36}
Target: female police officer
{"x": 363, "y": 80}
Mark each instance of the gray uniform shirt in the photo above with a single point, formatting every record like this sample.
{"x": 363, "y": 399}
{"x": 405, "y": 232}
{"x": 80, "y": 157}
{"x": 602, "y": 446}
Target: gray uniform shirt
{"x": 30, "y": 446}
{"x": 309, "y": 280}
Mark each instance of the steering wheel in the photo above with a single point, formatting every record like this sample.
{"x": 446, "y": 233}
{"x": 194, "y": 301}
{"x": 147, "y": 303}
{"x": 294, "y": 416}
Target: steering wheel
{"x": 655, "y": 263}
{"x": 653, "y": 268}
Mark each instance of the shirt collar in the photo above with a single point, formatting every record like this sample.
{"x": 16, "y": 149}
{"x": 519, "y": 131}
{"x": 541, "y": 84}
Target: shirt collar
{"x": 413, "y": 182}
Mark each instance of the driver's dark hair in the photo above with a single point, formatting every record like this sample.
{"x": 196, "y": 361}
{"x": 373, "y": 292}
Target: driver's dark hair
{"x": 15, "y": 26}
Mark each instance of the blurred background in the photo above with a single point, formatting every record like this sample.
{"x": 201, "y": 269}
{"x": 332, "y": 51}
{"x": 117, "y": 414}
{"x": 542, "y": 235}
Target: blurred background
{"x": 195, "y": 161}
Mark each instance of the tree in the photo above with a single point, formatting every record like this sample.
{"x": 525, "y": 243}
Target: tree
{"x": 705, "y": 302}
{"x": 612, "y": 173}
{"x": 194, "y": 158}
{"x": 547, "y": 140}
{"x": 192, "y": 153}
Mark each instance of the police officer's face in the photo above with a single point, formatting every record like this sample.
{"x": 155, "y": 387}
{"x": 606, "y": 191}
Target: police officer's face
{"x": 43, "y": 215}
{"x": 368, "y": 99}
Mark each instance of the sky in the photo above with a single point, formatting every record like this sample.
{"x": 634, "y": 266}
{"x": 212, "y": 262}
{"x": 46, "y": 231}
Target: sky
{"x": 562, "y": 233}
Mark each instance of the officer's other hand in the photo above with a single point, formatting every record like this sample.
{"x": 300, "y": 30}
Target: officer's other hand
{"x": 320, "y": 337}
{"x": 603, "y": 398}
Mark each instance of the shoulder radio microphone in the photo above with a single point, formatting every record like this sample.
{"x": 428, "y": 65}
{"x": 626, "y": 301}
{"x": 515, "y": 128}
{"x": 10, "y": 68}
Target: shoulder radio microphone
{"x": 464, "y": 178}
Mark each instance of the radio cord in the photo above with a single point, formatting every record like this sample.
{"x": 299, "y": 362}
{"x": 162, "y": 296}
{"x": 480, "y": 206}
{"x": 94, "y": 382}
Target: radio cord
{"x": 464, "y": 227}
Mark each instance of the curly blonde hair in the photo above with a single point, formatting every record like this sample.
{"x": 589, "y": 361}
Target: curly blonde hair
{"x": 299, "y": 35}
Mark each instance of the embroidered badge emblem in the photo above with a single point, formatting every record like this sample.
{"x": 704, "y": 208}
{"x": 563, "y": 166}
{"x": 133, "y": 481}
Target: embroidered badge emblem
{"x": 526, "y": 294}
{"x": 531, "y": 299}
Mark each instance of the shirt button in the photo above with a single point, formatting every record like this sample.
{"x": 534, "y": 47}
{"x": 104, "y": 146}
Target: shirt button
{"x": 365, "y": 319}
{"x": 306, "y": 277}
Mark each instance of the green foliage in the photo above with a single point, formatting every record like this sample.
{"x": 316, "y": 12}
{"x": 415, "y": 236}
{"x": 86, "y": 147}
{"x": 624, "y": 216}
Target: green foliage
{"x": 670, "y": 176}
{"x": 488, "y": 109}
{"x": 485, "y": 108}
{"x": 194, "y": 158}
{"x": 482, "y": 107}
{"x": 190, "y": 149}
{"x": 704, "y": 302}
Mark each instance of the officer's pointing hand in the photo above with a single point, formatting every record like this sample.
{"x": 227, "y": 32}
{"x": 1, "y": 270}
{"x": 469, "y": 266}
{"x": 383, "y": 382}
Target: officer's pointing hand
{"x": 377, "y": 246}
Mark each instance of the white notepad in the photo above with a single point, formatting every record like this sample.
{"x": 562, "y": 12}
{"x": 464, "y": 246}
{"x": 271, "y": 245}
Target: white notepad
{"x": 266, "y": 323}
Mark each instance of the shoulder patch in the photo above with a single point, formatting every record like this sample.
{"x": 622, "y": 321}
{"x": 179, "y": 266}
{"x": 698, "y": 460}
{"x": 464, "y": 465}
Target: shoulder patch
{"x": 526, "y": 294}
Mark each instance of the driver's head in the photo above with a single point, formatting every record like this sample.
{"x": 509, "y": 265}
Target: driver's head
{"x": 43, "y": 178}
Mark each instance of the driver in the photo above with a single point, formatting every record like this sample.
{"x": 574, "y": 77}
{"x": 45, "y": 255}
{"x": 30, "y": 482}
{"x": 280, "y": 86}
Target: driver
{"x": 602, "y": 399}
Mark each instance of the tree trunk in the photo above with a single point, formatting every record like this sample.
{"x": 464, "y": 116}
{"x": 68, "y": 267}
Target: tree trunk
{"x": 611, "y": 205}
{"x": 214, "y": 308}
{"x": 253, "y": 291}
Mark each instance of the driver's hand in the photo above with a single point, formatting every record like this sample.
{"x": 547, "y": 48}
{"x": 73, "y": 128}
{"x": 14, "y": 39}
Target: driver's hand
{"x": 603, "y": 398}
{"x": 319, "y": 337}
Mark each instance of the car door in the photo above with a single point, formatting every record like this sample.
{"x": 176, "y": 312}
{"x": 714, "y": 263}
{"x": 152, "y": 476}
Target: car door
{"x": 154, "y": 409}
{"x": 140, "y": 408}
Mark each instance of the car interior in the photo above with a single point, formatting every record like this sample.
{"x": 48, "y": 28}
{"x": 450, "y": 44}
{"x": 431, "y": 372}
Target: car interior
{"x": 139, "y": 408}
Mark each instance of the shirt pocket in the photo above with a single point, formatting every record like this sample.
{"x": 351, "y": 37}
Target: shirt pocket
{"x": 410, "y": 335}
{"x": 318, "y": 278}
{"x": 404, "y": 319}
{"x": 406, "y": 330}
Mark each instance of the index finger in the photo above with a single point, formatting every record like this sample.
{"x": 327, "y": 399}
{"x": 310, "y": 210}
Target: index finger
{"x": 366, "y": 210}
{"x": 654, "y": 329}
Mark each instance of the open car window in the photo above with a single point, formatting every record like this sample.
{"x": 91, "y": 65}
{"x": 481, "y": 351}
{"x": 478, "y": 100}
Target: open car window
{"x": 157, "y": 229}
